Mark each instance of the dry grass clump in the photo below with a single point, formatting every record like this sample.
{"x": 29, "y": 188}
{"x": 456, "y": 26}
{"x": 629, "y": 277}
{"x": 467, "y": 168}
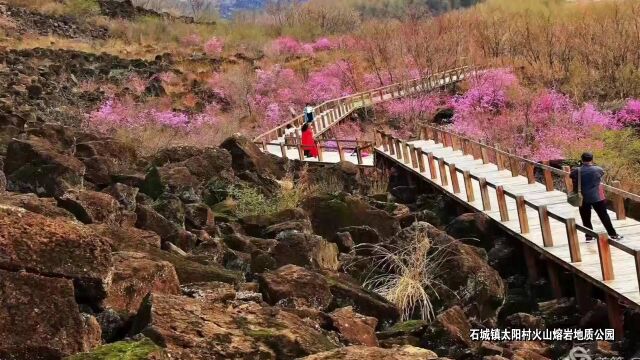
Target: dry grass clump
{"x": 406, "y": 274}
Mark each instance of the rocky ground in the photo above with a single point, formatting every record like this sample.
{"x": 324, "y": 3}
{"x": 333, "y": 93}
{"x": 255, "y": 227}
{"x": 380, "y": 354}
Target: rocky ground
{"x": 105, "y": 252}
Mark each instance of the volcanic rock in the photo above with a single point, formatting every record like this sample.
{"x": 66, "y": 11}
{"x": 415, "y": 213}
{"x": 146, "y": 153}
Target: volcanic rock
{"x": 356, "y": 329}
{"x": 39, "y": 318}
{"x": 295, "y": 284}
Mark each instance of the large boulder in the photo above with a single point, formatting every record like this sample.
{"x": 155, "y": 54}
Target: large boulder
{"x": 199, "y": 216}
{"x": 200, "y": 329}
{"x": 473, "y": 225}
{"x": 347, "y": 292}
{"x": 374, "y": 353}
{"x": 124, "y": 194}
{"x": 248, "y": 157}
{"x": 463, "y": 270}
{"x": 134, "y": 276}
{"x": 55, "y": 247}
{"x": 92, "y": 207}
{"x": 354, "y": 328}
{"x": 363, "y": 234}
{"x": 39, "y": 318}
{"x": 194, "y": 272}
{"x": 295, "y": 285}
{"x": 40, "y": 205}
{"x": 329, "y": 213}
{"x": 305, "y": 250}
{"x": 35, "y": 165}
{"x": 149, "y": 219}
{"x": 450, "y": 334}
{"x": 127, "y": 238}
{"x": 256, "y": 225}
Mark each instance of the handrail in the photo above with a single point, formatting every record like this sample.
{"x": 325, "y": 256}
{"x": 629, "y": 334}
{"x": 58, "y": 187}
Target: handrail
{"x": 413, "y": 158}
{"x": 358, "y": 149}
{"x": 342, "y": 106}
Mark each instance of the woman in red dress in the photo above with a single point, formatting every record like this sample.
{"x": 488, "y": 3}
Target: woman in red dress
{"x": 308, "y": 143}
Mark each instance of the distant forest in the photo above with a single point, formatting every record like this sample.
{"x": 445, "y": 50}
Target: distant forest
{"x": 399, "y": 9}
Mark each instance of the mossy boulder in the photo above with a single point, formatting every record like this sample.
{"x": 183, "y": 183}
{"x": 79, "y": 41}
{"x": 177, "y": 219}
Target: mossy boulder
{"x": 329, "y": 213}
{"x": 143, "y": 349}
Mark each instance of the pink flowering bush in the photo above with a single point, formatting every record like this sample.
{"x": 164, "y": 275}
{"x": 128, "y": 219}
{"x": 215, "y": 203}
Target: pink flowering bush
{"x": 116, "y": 115}
{"x": 213, "y": 46}
{"x": 276, "y": 91}
{"x": 406, "y": 114}
{"x": 543, "y": 126}
{"x": 329, "y": 82}
{"x": 288, "y": 46}
{"x": 630, "y": 114}
{"x": 322, "y": 44}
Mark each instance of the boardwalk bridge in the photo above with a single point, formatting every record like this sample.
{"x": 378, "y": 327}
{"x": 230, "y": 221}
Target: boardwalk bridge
{"x": 499, "y": 184}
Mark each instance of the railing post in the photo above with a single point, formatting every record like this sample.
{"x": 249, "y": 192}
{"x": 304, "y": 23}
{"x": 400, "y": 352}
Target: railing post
{"x": 320, "y": 155}
{"x": 483, "y": 153}
{"x": 453, "y": 174}
{"x": 514, "y": 165}
{"x": 283, "y": 149}
{"x": 618, "y": 202}
{"x": 392, "y": 148}
{"x": 567, "y": 178}
{"x": 468, "y": 185}
{"x": 502, "y": 204}
{"x": 412, "y": 153}
{"x": 264, "y": 144}
{"x": 300, "y": 152}
{"x": 548, "y": 177}
{"x": 423, "y": 133}
{"x": 405, "y": 152}
{"x": 420, "y": 159}
{"x": 522, "y": 214}
{"x": 398, "y": 149}
{"x": 443, "y": 173}
{"x": 499, "y": 161}
{"x": 531, "y": 177}
{"x": 340, "y": 151}
{"x": 385, "y": 144}
{"x": 323, "y": 120}
{"x": 432, "y": 166}
{"x": 484, "y": 194}
{"x": 545, "y": 226}
{"x": 572, "y": 237}
{"x": 604, "y": 252}
{"x": 359, "y": 154}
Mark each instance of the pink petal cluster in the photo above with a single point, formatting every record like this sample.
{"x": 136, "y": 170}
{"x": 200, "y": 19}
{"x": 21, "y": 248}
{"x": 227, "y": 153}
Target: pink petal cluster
{"x": 213, "y": 46}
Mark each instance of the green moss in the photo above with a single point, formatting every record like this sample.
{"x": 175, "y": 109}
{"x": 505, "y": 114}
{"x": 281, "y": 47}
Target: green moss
{"x": 152, "y": 185}
{"x": 261, "y": 334}
{"x": 121, "y": 350}
{"x": 408, "y": 326}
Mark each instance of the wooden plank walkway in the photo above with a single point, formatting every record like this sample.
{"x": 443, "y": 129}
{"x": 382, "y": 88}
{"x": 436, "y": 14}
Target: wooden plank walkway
{"x": 535, "y": 213}
{"x": 332, "y": 112}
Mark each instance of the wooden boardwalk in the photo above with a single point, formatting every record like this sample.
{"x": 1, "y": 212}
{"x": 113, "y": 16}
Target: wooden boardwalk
{"x": 504, "y": 187}
{"x": 332, "y": 112}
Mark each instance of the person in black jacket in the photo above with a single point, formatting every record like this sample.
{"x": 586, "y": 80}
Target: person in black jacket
{"x": 593, "y": 195}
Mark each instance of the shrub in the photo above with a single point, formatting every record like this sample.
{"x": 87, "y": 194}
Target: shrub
{"x": 405, "y": 274}
{"x": 82, "y": 8}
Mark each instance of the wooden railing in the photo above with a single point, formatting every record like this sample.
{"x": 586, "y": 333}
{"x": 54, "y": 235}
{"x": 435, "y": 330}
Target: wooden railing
{"x": 342, "y": 147}
{"x": 332, "y": 111}
{"x": 415, "y": 158}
